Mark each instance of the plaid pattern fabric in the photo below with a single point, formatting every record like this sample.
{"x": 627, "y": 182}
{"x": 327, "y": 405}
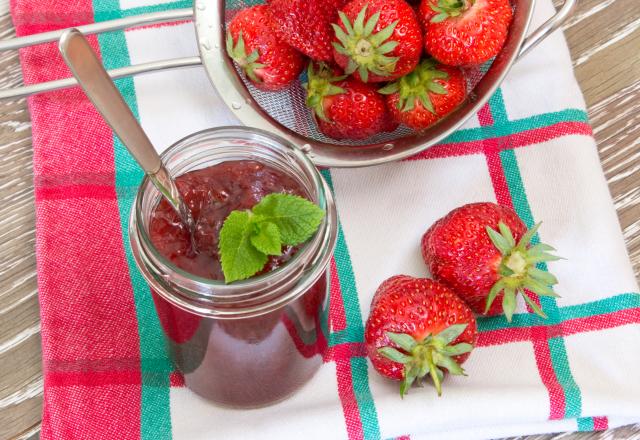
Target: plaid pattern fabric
{"x": 107, "y": 372}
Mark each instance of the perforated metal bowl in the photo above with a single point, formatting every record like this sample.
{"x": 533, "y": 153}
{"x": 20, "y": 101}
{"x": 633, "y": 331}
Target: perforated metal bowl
{"x": 284, "y": 113}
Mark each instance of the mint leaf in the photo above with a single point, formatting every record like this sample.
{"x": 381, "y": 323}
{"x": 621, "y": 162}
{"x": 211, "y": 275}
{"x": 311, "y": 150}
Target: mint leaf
{"x": 248, "y": 238}
{"x": 238, "y": 256}
{"x": 297, "y": 218}
{"x": 266, "y": 238}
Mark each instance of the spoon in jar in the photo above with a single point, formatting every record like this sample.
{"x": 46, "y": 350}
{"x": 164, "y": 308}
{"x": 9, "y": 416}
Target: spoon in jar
{"x": 104, "y": 95}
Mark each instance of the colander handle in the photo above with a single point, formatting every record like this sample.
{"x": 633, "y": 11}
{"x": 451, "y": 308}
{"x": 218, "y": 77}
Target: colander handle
{"x": 97, "y": 28}
{"x": 49, "y": 86}
{"x": 547, "y": 28}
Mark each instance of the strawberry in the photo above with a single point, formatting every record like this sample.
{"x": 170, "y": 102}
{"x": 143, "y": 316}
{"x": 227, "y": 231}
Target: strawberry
{"x": 345, "y": 108}
{"x": 377, "y": 40}
{"x": 418, "y": 327}
{"x": 425, "y": 95}
{"x": 306, "y": 25}
{"x": 465, "y": 32}
{"x": 268, "y": 62}
{"x": 483, "y": 252}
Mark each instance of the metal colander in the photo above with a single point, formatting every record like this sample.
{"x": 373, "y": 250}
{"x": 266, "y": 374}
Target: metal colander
{"x": 285, "y": 113}
{"x": 289, "y": 109}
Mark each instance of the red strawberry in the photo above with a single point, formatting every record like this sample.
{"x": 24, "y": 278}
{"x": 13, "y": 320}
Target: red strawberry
{"x": 377, "y": 40}
{"x": 306, "y": 25}
{"x": 425, "y": 95}
{"x": 345, "y": 108}
{"x": 268, "y": 62}
{"x": 390, "y": 123}
{"x": 418, "y": 327}
{"x": 483, "y": 252}
{"x": 464, "y": 32}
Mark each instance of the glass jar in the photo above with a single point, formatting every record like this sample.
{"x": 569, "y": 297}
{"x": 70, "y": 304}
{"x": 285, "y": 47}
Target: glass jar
{"x": 249, "y": 343}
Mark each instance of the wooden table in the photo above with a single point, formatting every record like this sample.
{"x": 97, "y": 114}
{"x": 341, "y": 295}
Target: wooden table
{"x": 604, "y": 37}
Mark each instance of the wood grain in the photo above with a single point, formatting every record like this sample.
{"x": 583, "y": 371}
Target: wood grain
{"x": 20, "y": 356}
{"x": 604, "y": 37}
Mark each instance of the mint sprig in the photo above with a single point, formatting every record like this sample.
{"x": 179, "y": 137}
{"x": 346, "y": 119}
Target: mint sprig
{"x": 247, "y": 238}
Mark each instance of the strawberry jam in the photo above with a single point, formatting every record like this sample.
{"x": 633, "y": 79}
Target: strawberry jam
{"x": 249, "y": 361}
{"x": 211, "y": 194}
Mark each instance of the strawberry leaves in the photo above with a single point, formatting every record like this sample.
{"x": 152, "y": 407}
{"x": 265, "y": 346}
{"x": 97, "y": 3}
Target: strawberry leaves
{"x": 449, "y": 8}
{"x": 247, "y": 238}
{"x": 320, "y": 85}
{"x": 418, "y": 85}
{"x": 368, "y": 51}
{"x": 519, "y": 271}
{"x": 428, "y": 356}
{"x": 248, "y": 62}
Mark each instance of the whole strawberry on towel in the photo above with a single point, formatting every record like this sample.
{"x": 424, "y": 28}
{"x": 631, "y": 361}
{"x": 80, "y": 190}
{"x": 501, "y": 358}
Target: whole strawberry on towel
{"x": 377, "y": 40}
{"x": 418, "y": 327}
{"x": 485, "y": 253}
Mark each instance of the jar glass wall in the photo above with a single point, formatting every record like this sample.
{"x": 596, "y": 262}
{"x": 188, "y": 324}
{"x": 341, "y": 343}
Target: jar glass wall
{"x": 254, "y": 342}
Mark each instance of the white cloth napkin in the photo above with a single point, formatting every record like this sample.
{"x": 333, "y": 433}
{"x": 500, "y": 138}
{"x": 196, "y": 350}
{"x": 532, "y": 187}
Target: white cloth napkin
{"x": 577, "y": 371}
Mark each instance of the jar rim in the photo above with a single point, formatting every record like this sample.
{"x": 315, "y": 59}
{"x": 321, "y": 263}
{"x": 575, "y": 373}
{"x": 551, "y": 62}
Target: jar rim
{"x": 200, "y": 290}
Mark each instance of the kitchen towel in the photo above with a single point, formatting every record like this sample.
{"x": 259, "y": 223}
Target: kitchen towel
{"x": 106, "y": 370}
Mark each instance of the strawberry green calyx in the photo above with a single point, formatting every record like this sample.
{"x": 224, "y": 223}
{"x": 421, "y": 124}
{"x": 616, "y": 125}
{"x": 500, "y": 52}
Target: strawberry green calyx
{"x": 320, "y": 85}
{"x": 428, "y": 356}
{"x": 417, "y": 85}
{"x": 450, "y": 8}
{"x": 518, "y": 271}
{"x": 367, "y": 51}
{"x": 247, "y": 62}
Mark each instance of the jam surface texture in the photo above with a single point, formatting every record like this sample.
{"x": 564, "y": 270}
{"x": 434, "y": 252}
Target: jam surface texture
{"x": 211, "y": 194}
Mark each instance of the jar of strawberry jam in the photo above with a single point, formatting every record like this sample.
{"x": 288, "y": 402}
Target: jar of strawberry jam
{"x": 249, "y": 343}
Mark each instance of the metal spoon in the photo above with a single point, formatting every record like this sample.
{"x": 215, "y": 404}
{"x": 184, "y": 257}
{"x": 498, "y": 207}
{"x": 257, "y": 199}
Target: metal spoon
{"x": 104, "y": 95}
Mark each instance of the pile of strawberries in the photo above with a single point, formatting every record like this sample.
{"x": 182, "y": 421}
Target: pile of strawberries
{"x": 372, "y": 64}
{"x": 480, "y": 257}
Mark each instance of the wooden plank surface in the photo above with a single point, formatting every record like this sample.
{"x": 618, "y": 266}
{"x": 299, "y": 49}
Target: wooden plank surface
{"x": 604, "y": 37}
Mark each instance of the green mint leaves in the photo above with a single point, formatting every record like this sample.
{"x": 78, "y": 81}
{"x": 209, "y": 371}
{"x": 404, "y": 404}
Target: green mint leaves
{"x": 296, "y": 218}
{"x": 247, "y": 238}
{"x": 239, "y": 258}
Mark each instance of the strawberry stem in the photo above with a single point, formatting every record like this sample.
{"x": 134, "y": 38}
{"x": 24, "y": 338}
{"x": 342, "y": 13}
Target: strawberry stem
{"x": 517, "y": 263}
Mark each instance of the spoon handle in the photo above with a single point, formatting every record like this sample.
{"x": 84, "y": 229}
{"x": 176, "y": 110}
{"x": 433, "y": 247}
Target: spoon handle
{"x": 104, "y": 95}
